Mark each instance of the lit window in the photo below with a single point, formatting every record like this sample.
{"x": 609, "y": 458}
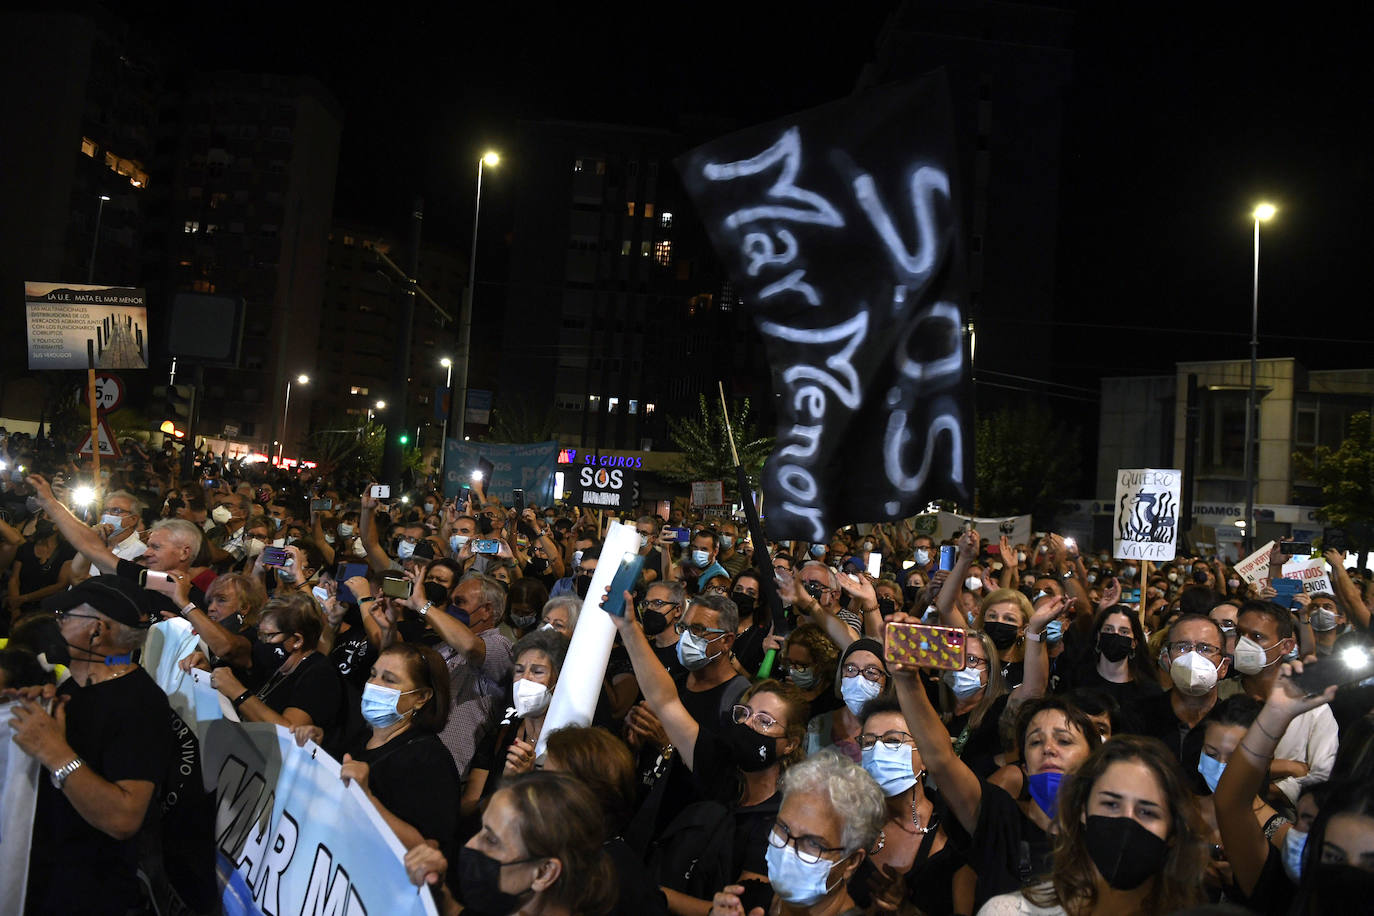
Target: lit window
{"x": 613, "y": 405}
{"x": 666, "y": 219}
{"x": 663, "y": 252}
{"x": 633, "y": 407}
{"x": 630, "y": 208}
{"x": 211, "y": 228}
{"x": 356, "y": 390}
{"x": 348, "y": 241}
{"x": 649, "y": 409}
{"x": 644, "y": 248}
{"x": 203, "y": 286}
{"x": 625, "y": 247}
{"x": 648, "y": 211}
{"x": 577, "y": 165}
{"x": 191, "y": 226}
{"x": 88, "y": 146}
{"x": 593, "y": 402}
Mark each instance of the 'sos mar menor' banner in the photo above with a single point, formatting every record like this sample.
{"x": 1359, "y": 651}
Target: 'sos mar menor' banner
{"x": 290, "y": 837}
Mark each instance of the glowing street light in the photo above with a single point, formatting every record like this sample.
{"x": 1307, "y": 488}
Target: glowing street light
{"x": 301, "y": 379}
{"x": 458, "y": 406}
{"x": 1262, "y": 213}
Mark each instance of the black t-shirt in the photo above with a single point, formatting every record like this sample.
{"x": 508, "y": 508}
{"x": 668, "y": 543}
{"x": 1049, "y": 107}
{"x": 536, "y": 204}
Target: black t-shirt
{"x": 313, "y": 686}
{"x": 122, "y": 729}
{"x": 711, "y": 707}
{"x": 1007, "y": 850}
{"x": 984, "y": 742}
{"x": 668, "y": 656}
{"x": 413, "y": 775}
{"x": 930, "y": 878}
{"x": 35, "y": 574}
{"x": 639, "y": 894}
{"x": 128, "y": 569}
{"x": 353, "y": 654}
{"x": 717, "y": 777}
{"x": 1154, "y": 716}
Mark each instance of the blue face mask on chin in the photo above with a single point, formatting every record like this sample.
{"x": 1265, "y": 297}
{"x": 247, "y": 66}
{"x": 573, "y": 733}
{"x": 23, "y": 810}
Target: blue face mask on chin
{"x": 1211, "y": 769}
{"x": 1044, "y": 789}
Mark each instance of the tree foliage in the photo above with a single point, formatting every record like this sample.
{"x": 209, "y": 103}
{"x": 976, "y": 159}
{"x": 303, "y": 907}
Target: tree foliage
{"x": 519, "y": 424}
{"x": 1026, "y": 462}
{"x": 1345, "y": 474}
{"x": 705, "y": 446}
{"x": 358, "y": 449}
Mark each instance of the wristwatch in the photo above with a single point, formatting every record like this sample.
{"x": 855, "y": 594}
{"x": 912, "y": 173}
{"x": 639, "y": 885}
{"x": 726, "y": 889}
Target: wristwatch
{"x": 59, "y": 775}
{"x": 365, "y": 599}
{"x": 191, "y": 606}
{"x": 424, "y": 611}
{"x": 1033, "y": 636}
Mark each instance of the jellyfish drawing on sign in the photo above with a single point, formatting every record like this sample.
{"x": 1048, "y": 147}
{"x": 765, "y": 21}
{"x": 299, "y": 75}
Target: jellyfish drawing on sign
{"x": 1152, "y": 518}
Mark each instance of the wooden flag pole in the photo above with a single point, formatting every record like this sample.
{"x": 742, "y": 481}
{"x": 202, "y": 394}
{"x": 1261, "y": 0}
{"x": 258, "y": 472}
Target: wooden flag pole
{"x": 729, "y": 433}
{"x": 95, "y": 416}
{"x": 1144, "y": 587}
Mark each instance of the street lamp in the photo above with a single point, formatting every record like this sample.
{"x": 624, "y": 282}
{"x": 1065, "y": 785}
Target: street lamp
{"x": 458, "y": 406}
{"x": 301, "y": 379}
{"x": 443, "y": 437}
{"x": 95, "y": 241}
{"x": 1262, "y": 213}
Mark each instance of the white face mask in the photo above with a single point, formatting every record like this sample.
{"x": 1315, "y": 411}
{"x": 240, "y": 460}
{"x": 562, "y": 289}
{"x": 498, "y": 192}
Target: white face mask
{"x": 856, "y": 691}
{"x": 922, "y": 557}
{"x": 345, "y": 530}
{"x": 329, "y": 538}
{"x": 255, "y": 547}
{"x": 221, "y": 515}
{"x": 1193, "y": 674}
{"x": 279, "y": 542}
{"x": 1250, "y": 657}
{"x": 531, "y": 698}
{"x": 359, "y": 549}
{"x": 973, "y": 583}
{"x": 1020, "y": 556}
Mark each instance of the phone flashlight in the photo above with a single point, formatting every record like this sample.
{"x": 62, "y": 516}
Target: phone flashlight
{"x": 477, "y": 476}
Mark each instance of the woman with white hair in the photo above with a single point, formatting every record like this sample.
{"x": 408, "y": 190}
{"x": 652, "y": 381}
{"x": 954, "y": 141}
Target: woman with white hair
{"x": 832, "y": 813}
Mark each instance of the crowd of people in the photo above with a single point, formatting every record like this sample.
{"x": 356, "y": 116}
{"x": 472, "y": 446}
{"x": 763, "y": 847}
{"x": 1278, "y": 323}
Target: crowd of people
{"x": 1104, "y": 741}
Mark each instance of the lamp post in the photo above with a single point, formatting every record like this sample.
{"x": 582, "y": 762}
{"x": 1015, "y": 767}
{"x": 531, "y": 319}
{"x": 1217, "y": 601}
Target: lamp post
{"x": 95, "y": 241}
{"x": 458, "y": 406}
{"x": 381, "y": 405}
{"x": 1262, "y": 213}
{"x": 443, "y": 436}
{"x": 281, "y": 445}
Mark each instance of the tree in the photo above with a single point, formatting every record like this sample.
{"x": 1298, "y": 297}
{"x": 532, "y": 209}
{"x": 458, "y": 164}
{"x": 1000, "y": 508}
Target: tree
{"x": 518, "y": 424}
{"x": 1026, "y": 462}
{"x": 1345, "y": 474}
{"x": 705, "y": 446}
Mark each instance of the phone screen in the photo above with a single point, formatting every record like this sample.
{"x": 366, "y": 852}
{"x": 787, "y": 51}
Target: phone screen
{"x": 625, "y": 577}
{"x": 875, "y": 565}
{"x": 380, "y": 491}
{"x": 274, "y": 556}
{"x": 396, "y": 586}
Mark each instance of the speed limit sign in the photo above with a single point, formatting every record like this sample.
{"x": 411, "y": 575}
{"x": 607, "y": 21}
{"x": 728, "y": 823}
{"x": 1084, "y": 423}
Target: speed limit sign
{"x": 109, "y": 392}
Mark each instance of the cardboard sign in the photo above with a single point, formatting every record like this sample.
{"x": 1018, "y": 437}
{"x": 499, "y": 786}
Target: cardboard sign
{"x": 62, "y": 318}
{"x": 708, "y": 493}
{"x": 1147, "y": 511}
{"x": 604, "y": 488}
{"x": 1255, "y": 568}
{"x": 840, "y": 230}
{"x": 1311, "y": 573}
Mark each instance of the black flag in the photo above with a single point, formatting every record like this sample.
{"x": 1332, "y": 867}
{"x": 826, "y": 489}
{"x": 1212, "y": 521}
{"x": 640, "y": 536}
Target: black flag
{"x": 839, "y": 228}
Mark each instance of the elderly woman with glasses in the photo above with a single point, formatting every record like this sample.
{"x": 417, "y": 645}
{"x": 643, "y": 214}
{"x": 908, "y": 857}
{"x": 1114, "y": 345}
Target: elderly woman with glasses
{"x": 738, "y": 764}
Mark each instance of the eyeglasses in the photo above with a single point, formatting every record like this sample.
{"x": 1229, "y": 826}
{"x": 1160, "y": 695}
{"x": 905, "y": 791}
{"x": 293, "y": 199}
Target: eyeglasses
{"x": 1202, "y": 648}
{"x": 975, "y": 661}
{"x": 658, "y": 604}
{"x": 889, "y": 740}
{"x": 816, "y": 589}
{"x": 715, "y": 590}
{"x": 265, "y": 635}
{"x": 809, "y": 849}
{"x": 698, "y": 630}
{"x": 66, "y": 613}
{"x": 871, "y": 672}
{"x": 742, "y": 714}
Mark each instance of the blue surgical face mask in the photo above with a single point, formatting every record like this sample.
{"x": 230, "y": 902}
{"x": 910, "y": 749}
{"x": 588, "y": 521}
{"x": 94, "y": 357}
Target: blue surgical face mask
{"x": 379, "y": 705}
{"x": 345, "y": 530}
{"x": 817, "y": 550}
{"x": 1044, "y": 788}
{"x": 726, "y": 542}
{"x": 456, "y": 542}
{"x": 117, "y": 522}
{"x": 1054, "y": 631}
{"x": 964, "y": 682}
{"x": 856, "y": 691}
{"x": 1211, "y": 769}
{"x": 405, "y": 550}
{"x": 890, "y": 769}
{"x": 1294, "y": 845}
{"x": 700, "y": 558}
{"x": 922, "y": 557}
{"x": 797, "y": 882}
{"x": 691, "y": 652}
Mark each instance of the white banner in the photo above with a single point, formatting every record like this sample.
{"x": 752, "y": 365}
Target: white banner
{"x": 1146, "y": 523}
{"x": 19, "y": 775}
{"x": 1311, "y": 573}
{"x": 290, "y": 837}
{"x": 1255, "y": 568}
{"x": 1017, "y": 528}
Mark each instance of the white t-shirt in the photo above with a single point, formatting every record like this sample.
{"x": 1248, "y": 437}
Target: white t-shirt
{"x": 1016, "y": 904}
{"x": 1311, "y": 738}
{"x": 131, "y": 548}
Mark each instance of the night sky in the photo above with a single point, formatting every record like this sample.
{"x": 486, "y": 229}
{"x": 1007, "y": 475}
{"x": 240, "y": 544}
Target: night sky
{"x": 1176, "y": 126}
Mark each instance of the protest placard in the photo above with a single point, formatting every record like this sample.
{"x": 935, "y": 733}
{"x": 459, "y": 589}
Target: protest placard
{"x": 708, "y": 493}
{"x": 18, "y": 797}
{"x": 1255, "y": 568}
{"x": 1147, "y": 504}
{"x": 1311, "y": 572}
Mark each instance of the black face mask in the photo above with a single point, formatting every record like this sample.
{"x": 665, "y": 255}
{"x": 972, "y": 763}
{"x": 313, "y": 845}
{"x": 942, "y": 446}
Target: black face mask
{"x": 268, "y": 657}
{"x": 1003, "y": 635}
{"x": 653, "y": 622}
{"x": 537, "y": 566}
{"x": 887, "y": 607}
{"x": 523, "y": 621}
{"x": 1113, "y": 646}
{"x": 745, "y": 603}
{"x": 909, "y": 593}
{"x": 582, "y": 584}
{"x": 1124, "y": 852}
{"x": 233, "y": 623}
{"x": 483, "y": 524}
{"x": 436, "y": 594}
{"x": 1344, "y": 889}
{"x": 479, "y": 884}
{"x": 750, "y": 750}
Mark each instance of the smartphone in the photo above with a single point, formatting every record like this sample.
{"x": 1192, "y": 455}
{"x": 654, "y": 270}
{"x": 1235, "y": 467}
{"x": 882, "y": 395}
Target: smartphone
{"x": 875, "y": 565}
{"x": 625, "y": 577}
{"x": 321, "y": 505}
{"x": 681, "y": 535}
{"x": 947, "y": 555}
{"x": 915, "y": 645}
{"x": 1296, "y": 548}
{"x": 488, "y": 546}
{"x": 395, "y": 585}
{"x": 1349, "y": 665}
{"x": 1285, "y": 590}
{"x": 320, "y": 592}
{"x": 484, "y": 468}
{"x": 342, "y": 574}
{"x": 274, "y": 556}
{"x": 380, "y": 491}
{"x": 518, "y": 495}
{"x": 143, "y": 577}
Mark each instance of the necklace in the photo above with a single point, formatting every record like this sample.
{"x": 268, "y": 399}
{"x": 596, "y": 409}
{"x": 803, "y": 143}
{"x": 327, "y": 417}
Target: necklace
{"x": 916, "y": 821}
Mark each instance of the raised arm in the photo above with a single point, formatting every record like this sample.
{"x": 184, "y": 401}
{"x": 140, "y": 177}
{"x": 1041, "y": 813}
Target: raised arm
{"x": 657, "y": 685}
{"x": 944, "y": 602}
{"x": 790, "y": 590}
{"x": 226, "y": 646}
{"x": 84, "y": 538}
{"x": 1036, "y": 676}
{"x": 1347, "y": 592}
{"x": 958, "y": 784}
{"x": 377, "y": 560}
